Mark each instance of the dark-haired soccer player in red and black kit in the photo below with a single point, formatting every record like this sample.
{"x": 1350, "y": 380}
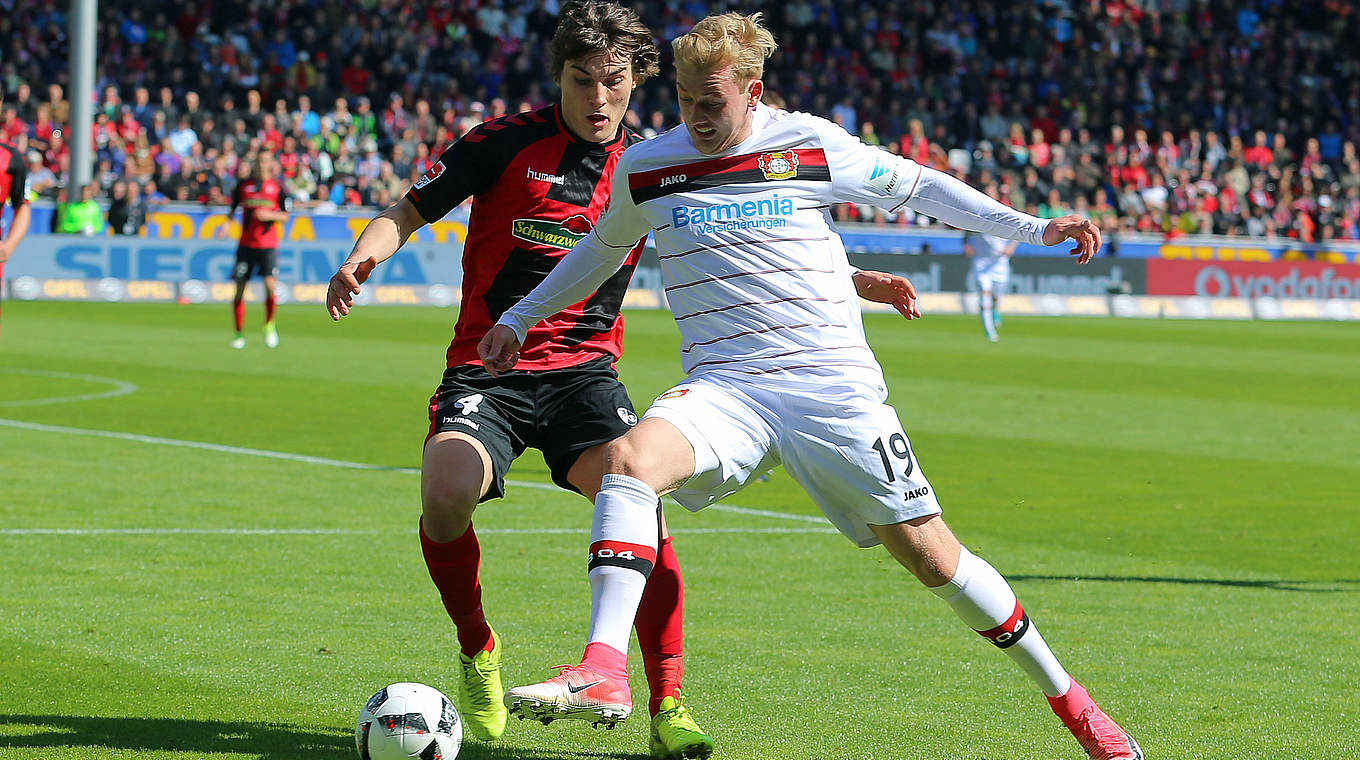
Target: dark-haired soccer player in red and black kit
{"x": 538, "y": 181}
{"x": 13, "y": 176}
{"x": 265, "y": 203}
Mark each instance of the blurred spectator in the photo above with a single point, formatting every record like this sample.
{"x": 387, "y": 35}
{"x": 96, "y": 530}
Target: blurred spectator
{"x": 127, "y": 210}
{"x": 83, "y": 217}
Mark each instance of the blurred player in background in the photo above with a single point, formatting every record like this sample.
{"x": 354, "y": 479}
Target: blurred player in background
{"x": 265, "y": 203}
{"x": 991, "y": 257}
{"x": 778, "y": 369}
{"x": 13, "y": 175}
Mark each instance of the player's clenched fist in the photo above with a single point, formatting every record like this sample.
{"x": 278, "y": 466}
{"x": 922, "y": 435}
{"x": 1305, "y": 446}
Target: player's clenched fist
{"x": 345, "y": 286}
{"x": 499, "y": 349}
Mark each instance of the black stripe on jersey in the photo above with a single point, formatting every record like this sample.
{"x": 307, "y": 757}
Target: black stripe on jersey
{"x": 522, "y": 271}
{"x": 581, "y": 168}
{"x": 806, "y": 174}
{"x": 602, "y": 310}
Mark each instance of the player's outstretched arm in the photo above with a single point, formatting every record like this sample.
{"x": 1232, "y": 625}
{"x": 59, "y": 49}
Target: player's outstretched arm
{"x": 384, "y": 234}
{"x": 499, "y": 349}
{"x": 957, "y": 204}
{"x": 883, "y": 287}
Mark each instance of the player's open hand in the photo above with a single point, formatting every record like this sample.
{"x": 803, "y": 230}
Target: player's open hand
{"x": 894, "y": 289}
{"x": 1083, "y": 231}
{"x": 345, "y": 286}
{"x": 499, "y": 350}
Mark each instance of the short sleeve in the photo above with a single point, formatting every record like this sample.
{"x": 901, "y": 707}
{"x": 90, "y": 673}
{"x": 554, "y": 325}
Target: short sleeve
{"x": 466, "y": 168}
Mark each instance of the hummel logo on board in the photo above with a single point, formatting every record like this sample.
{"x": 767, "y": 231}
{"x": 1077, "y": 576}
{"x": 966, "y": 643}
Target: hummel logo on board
{"x": 583, "y": 687}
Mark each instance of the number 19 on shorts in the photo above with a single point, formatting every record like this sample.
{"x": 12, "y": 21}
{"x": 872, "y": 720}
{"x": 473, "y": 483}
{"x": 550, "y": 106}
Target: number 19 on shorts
{"x": 900, "y": 452}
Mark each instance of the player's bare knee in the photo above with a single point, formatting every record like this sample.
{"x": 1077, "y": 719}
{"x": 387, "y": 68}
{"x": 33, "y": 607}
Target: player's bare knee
{"x": 447, "y": 504}
{"x": 623, "y": 457}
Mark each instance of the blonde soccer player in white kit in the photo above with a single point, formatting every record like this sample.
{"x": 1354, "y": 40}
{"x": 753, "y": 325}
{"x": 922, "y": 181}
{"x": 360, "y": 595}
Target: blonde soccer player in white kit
{"x": 778, "y": 368}
{"x": 991, "y": 255}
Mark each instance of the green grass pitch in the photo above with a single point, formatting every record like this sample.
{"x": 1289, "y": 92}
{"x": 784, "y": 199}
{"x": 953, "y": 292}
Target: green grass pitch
{"x": 1174, "y": 502}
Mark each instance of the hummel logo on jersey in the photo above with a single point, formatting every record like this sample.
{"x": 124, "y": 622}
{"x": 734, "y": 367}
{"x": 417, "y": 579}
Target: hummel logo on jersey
{"x": 628, "y": 417}
{"x": 917, "y": 493}
{"x": 556, "y": 179}
{"x": 583, "y": 687}
{"x": 469, "y": 404}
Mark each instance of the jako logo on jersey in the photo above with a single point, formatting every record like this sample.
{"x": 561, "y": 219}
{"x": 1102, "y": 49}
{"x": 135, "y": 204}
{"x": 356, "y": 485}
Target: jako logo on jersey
{"x": 782, "y": 165}
{"x": 556, "y": 179}
{"x": 469, "y": 404}
{"x": 673, "y": 180}
{"x": 917, "y": 492}
{"x": 733, "y": 216}
{"x": 430, "y": 175}
{"x": 628, "y": 417}
{"x": 563, "y": 234}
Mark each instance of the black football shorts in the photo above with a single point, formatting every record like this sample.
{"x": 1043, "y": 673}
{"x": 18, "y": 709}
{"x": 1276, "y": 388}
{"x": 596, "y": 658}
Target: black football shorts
{"x": 252, "y": 261}
{"x": 560, "y": 412}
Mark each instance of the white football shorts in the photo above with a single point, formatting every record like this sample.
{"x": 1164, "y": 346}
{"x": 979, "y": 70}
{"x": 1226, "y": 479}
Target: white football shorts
{"x": 993, "y": 279}
{"x": 843, "y": 445}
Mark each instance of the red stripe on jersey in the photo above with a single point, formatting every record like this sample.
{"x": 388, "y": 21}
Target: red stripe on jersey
{"x": 746, "y": 162}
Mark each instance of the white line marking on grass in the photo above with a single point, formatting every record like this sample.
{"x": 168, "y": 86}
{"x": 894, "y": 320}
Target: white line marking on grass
{"x": 120, "y": 388}
{"x": 342, "y": 532}
{"x": 286, "y": 456}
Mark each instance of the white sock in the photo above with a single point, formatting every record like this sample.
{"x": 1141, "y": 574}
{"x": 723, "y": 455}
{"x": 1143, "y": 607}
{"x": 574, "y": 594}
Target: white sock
{"x": 623, "y": 543}
{"x": 985, "y": 304}
{"x": 982, "y": 598}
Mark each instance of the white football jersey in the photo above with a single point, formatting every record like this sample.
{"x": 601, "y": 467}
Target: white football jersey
{"x": 755, "y": 274}
{"x": 988, "y": 252}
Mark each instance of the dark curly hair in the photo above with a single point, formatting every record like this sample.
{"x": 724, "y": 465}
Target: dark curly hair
{"x": 588, "y": 27}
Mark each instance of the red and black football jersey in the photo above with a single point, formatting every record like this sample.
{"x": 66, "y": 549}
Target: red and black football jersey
{"x": 13, "y": 175}
{"x": 259, "y": 195}
{"x": 536, "y": 190}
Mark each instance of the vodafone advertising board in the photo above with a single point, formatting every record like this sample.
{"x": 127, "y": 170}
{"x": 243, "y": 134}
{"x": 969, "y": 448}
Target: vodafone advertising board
{"x": 1247, "y": 279}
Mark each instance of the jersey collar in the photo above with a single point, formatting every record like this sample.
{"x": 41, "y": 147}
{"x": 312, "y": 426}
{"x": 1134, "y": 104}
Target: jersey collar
{"x": 603, "y": 147}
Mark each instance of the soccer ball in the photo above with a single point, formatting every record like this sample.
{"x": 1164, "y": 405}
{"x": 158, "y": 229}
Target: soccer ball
{"x": 408, "y": 720}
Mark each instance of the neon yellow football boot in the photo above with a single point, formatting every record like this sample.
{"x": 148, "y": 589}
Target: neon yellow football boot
{"x": 480, "y": 694}
{"x": 675, "y": 734}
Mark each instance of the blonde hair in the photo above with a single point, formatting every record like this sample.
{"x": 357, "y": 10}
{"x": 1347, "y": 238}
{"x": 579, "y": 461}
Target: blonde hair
{"x": 726, "y": 39}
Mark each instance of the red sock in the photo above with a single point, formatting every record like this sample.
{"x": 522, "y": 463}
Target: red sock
{"x": 660, "y": 626}
{"x": 606, "y": 660}
{"x": 269, "y": 307}
{"x": 239, "y": 306}
{"x": 453, "y": 568}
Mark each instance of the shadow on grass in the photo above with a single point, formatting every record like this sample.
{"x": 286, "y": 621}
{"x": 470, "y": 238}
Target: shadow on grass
{"x": 1338, "y": 586}
{"x": 266, "y": 741}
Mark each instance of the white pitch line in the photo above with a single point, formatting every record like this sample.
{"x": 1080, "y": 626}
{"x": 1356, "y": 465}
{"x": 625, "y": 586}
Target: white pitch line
{"x": 120, "y": 388}
{"x": 327, "y": 532}
{"x": 326, "y": 462}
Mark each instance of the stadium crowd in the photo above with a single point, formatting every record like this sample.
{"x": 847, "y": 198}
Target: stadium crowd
{"x": 1159, "y": 116}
